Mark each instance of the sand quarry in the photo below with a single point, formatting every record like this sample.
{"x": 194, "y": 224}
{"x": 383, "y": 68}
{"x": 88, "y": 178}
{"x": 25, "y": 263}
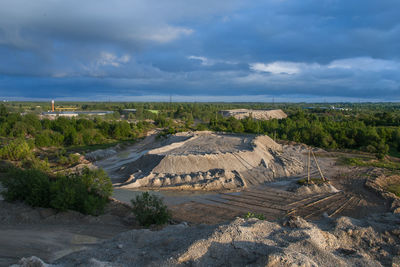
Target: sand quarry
{"x": 208, "y": 180}
{"x": 200, "y": 161}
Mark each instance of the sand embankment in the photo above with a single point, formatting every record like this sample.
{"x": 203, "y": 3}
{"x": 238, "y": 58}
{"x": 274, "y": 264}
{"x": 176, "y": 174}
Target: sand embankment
{"x": 204, "y": 160}
{"x": 373, "y": 241}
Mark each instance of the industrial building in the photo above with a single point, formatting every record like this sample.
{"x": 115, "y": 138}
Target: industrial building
{"x": 75, "y": 113}
{"x": 61, "y": 112}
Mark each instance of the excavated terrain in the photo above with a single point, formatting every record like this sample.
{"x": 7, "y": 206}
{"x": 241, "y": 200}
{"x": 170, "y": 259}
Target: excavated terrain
{"x": 256, "y": 114}
{"x": 202, "y": 161}
{"x": 373, "y": 241}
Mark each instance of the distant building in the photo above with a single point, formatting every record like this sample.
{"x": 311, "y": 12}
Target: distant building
{"x": 71, "y": 114}
{"x": 128, "y": 110}
{"x": 331, "y": 107}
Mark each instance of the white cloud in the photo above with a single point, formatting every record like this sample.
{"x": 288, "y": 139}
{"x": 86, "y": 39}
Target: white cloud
{"x": 209, "y": 62}
{"x": 278, "y": 67}
{"x": 351, "y": 64}
{"x": 167, "y": 34}
{"x": 365, "y": 64}
{"x": 110, "y": 59}
{"x": 204, "y": 61}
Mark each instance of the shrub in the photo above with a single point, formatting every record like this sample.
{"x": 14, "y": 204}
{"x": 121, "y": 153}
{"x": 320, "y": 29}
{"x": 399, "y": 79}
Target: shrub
{"x": 97, "y": 182}
{"x": 149, "y": 209}
{"x": 30, "y": 186}
{"x": 37, "y": 164}
{"x": 43, "y": 140}
{"x": 73, "y": 159}
{"x": 255, "y": 215}
{"x": 63, "y": 160}
{"x": 87, "y": 193}
{"x": 63, "y": 193}
{"x": 17, "y": 149}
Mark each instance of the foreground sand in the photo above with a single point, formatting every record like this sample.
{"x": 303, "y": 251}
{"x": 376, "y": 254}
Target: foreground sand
{"x": 373, "y": 241}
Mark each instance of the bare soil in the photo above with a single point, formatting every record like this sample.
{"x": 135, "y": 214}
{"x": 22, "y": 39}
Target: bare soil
{"x": 373, "y": 241}
{"x": 26, "y": 231}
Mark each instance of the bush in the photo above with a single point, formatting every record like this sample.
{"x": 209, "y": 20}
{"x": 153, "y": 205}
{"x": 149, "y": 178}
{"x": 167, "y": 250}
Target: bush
{"x": 64, "y": 193}
{"x": 16, "y": 150}
{"x": 37, "y": 164}
{"x": 87, "y": 193}
{"x": 73, "y": 159}
{"x": 255, "y": 215}
{"x": 97, "y": 182}
{"x": 149, "y": 209}
{"x": 30, "y": 186}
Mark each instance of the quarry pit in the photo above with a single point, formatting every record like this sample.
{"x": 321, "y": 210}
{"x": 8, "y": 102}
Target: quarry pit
{"x": 201, "y": 161}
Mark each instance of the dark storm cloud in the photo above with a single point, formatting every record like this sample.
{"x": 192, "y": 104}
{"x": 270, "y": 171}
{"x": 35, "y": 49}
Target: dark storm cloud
{"x": 313, "y": 48}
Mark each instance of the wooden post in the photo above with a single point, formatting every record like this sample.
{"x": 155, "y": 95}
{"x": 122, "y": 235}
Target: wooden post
{"x": 319, "y": 169}
{"x": 308, "y": 166}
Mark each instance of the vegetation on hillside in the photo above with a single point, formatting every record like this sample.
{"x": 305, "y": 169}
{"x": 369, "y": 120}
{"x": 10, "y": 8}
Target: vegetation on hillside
{"x": 373, "y": 128}
{"x": 86, "y": 192}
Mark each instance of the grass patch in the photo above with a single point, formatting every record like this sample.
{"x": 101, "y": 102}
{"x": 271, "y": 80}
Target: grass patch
{"x": 317, "y": 181}
{"x": 385, "y": 164}
{"x": 255, "y": 215}
{"x": 395, "y": 189}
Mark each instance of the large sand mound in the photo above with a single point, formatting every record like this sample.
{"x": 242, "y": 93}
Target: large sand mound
{"x": 205, "y": 160}
{"x": 343, "y": 242}
{"x": 256, "y": 114}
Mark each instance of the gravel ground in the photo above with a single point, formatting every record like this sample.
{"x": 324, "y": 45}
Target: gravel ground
{"x": 373, "y": 241}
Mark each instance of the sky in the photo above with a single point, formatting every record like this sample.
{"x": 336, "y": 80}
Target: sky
{"x": 225, "y": 50}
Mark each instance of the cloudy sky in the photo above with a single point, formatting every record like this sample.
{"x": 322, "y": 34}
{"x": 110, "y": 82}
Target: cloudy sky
{"x": 225, "y": 50}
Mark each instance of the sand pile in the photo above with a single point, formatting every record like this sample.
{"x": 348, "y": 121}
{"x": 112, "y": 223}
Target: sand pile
{"x": 256, "y": 114}
{"x": 380, "y": 183}
{"x": 205, "y": 160}
{"x": 295, "y": 242}
{"x": 101, "y": 153}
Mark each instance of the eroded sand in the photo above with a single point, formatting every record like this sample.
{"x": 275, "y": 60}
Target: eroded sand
{"x": 201, "y": 161}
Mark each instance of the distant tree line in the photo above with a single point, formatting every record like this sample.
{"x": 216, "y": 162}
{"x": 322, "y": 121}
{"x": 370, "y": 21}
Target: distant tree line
{"x": 370, "y": 127}
{"x": 21, "y": 133}
{"x": 373, "y": 133}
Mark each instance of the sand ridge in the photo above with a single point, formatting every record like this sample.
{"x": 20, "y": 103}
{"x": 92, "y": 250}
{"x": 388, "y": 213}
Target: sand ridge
{"x": 206, "y": 161}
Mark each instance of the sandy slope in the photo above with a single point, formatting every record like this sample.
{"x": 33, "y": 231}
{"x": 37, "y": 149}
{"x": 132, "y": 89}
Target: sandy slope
{"x": 295, "y": 242}
{"x": 202, "y": 160}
